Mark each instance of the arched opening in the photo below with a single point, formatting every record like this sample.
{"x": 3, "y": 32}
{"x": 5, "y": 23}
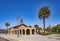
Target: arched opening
{"x": 33, "y": 31}
{"x": 20, "y": 32}
{"x": 28, "y": 32}
{"x": 23, "y": 32}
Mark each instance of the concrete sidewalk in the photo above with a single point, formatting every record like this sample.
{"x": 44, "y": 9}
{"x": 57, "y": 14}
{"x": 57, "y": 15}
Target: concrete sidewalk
{"x": 10, "y": 37}
{"x": 30, "y": 37}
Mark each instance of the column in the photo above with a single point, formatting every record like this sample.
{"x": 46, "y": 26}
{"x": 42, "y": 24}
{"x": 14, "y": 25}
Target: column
{"x": 22, "y": 31}
{"x": 16, "y": 32}
{"x": 13, "y": 31}
{"x": 8, "y": 32}
{"x": 35, "y": 31}
{"x": 25, "y": 31}
{"x": 30, "y": 31}
{"x": 19, "y": 32}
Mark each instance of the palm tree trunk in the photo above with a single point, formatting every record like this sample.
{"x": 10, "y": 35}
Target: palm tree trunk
{"x": 44, "y": 24}
{"x": 7, "y": 29}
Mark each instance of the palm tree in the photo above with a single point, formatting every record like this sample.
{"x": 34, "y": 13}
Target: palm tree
{"x": 43, "y": 13}
{"x": 7, "y": 24}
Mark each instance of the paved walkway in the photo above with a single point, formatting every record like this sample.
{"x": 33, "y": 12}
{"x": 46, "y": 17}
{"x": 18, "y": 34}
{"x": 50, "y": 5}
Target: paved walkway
{"x": 31, "y": 37}
{"x": 9, "y": 37}
{"x": 2, "y": 39}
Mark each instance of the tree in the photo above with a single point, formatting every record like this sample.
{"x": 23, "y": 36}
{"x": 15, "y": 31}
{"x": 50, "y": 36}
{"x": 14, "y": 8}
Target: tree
{"x": 43, "y": 13}
{"x": 7, "y": 24}
{"x": 48, "y": 28}
{"x": 29, "y": 26}
{"x": 57, "y": 27}
{"x": 53, "y": 29}
{"x": 39, "y": 28}
{"x": 36, "y": 26}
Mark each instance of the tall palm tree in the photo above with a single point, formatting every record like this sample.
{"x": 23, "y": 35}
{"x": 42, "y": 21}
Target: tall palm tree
{"x": 43, "y": 13}
{"x": 7, "y": 24}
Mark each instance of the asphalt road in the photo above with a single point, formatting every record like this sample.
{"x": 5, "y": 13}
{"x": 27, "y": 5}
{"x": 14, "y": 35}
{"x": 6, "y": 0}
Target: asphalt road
{"x": 2, "y": 39}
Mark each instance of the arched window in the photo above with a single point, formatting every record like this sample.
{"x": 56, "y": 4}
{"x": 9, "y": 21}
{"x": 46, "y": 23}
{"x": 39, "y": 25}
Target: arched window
{"x": 20, "y": 32}
{"x": 23, "y": 32}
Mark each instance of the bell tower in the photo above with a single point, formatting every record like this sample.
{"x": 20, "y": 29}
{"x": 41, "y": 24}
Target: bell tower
{"x": 21, "y": 21}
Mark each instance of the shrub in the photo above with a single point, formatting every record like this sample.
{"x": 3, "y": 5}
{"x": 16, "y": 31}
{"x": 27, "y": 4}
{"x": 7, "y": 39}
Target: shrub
{"x": 44, "y": 33}
{"x": 55, "y": 33}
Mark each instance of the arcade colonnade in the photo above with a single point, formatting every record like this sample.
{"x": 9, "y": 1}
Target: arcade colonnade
{"x": 22, "y": 31}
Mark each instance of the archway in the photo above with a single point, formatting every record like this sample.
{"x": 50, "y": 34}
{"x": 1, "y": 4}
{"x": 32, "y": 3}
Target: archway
{"x": 20, "y": 32}
{"x": 28, "y": 32}
{"x": 33, "y": 31}
{"x": 23, "y": 32}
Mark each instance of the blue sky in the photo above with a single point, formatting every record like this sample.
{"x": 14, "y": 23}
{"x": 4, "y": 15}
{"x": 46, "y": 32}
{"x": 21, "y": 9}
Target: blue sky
{"x": 28, "y": 11}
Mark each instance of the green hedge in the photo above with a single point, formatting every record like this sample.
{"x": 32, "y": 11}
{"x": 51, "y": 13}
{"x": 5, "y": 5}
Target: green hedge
{"x": 43, "y": 33}
{"x": 48, "y": 33}
{"x": 54, "y": 33}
